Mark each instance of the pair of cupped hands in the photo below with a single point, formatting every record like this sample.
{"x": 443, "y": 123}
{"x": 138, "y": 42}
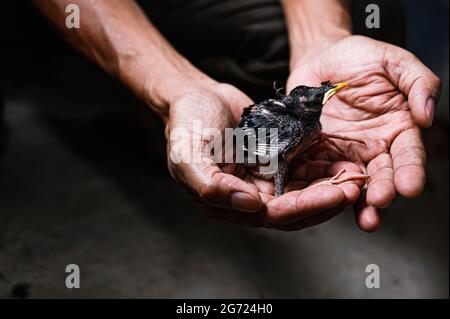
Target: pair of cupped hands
{"x": 390, "y": 97}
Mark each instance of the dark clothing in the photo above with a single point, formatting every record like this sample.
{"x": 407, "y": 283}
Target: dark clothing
{"x": 241, "y": 42}
{"x": 244, "y": 42}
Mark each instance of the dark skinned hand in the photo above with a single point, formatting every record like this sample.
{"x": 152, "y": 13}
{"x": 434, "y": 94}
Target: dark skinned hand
{"x": 391, "y": 95}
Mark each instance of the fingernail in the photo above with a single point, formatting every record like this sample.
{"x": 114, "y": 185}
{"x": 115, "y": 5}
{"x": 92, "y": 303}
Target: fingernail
{"x": 244, "y": 202}
{"x": 430, "y": 109}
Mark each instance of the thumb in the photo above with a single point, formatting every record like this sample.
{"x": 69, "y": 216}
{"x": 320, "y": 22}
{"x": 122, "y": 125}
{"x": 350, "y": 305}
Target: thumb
{"x": 421, "y": 86}
{"x": 200, "y": 174}
{"x": 216, "y": 188}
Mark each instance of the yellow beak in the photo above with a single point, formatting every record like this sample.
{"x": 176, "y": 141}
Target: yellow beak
{"x": 333, "y": 91}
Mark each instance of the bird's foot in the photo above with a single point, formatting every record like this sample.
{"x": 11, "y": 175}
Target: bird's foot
{"x": 338, "y": 179}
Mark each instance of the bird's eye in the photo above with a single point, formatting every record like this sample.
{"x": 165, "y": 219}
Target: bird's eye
{"x": 303, "y": 99}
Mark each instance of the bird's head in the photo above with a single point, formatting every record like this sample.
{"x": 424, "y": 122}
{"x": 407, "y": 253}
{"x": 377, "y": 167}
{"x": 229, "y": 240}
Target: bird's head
{"x": 314, "y": 98}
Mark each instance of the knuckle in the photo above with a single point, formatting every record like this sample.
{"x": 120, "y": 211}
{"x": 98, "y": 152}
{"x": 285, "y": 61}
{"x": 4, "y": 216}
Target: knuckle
{"x": 205, "y": 192}
{"x": 209, "y": 189}
{"x": 437, "y": 84}
{"x": 274, "y": 217}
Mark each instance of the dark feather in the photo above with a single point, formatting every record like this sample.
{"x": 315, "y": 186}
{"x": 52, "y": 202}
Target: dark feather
{"x": 296, "y": 117}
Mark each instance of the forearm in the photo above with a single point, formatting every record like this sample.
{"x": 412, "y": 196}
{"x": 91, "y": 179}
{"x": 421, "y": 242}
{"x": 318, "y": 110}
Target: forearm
{"x": 312, "y": 23}
{"x": 117, "y": 35}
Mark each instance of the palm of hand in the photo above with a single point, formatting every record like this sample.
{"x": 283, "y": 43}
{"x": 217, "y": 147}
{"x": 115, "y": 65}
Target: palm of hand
{"x": 372, "y": 110}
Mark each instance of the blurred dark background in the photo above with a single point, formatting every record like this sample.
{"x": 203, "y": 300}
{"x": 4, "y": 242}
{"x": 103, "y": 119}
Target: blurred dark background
{"x": 83, "y": 180}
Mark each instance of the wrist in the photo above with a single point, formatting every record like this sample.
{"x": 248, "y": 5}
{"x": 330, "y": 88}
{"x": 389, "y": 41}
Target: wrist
{"x": 314, "y": 24}
{"x": 159, "y": 79}
{"x": 302, "y": 49}
{"x": 171, "y": 81}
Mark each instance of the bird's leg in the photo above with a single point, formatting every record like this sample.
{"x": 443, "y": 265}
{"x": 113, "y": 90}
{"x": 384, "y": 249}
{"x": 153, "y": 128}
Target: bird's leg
{"x": 280, "y": 177}
{"x": 337, "y": 179}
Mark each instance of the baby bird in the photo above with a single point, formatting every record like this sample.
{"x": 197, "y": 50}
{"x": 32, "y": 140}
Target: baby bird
{"x": 296, "y": 117}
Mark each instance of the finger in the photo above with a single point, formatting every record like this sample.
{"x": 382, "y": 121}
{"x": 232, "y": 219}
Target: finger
{"x": 316, "y": 171}
{"x": 295, "y": 205}
{"x": 233, "y": 216}
{"x": 264, "y": 186}
{"x": 351, "y": 190}
{"x": 416, "y": 81}
{"x": 368, "y": 218}
{"x": 295, "y": 186}
{"x": 408, "y": 156}
{"x": 216, "y": 188}
{"x": 236, "y": 217}
{"x": 314, "y": 220}
{"x": 381, "y": 190}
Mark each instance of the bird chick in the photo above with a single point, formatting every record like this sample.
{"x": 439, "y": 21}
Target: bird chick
{"x": 296, "y": 117}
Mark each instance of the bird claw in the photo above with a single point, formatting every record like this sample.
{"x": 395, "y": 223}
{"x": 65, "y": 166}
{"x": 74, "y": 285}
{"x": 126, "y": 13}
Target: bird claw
{"x": 278, "y": 90}
{"x": 337, "y": 179}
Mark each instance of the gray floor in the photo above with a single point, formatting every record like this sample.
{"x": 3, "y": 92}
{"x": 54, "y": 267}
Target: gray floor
{"x": 76, "y": 187}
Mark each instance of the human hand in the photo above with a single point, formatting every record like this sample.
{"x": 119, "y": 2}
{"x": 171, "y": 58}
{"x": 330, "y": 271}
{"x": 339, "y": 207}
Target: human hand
{"x": 227, "y": 191}
{"x": 391, "y": 94}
